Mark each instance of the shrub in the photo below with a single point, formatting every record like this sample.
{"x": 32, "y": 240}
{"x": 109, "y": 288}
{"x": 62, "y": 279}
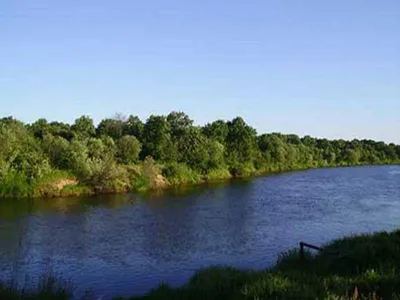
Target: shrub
{"x": 14, "y": 184}
{"x": 152, "y": 174}
{"x": 180, "y": 173}
{"x": 242, "y": 170}
{"x": 51, "y": 184}
{"x": 128, "y": 149}
{"x": 76, "y": 190}
{"x": 216, "y": 174}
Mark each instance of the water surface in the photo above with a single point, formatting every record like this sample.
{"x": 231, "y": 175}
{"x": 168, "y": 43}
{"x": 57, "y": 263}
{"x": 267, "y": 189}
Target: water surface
{"x": 128, "y": 244}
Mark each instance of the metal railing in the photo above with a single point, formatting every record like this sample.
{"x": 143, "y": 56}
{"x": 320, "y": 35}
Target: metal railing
{"x": 320, "y": 249}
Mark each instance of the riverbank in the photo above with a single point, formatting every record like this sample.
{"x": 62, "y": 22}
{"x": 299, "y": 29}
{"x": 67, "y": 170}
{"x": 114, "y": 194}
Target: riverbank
{"x": 144, "y": 178}
{"x": 122, "y": 155}
{"x": 357, "y": 267}
{"x": 44, "y": 160}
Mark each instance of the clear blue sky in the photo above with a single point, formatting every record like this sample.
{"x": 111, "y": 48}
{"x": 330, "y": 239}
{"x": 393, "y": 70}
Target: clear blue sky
{"x": 325, "y": 68}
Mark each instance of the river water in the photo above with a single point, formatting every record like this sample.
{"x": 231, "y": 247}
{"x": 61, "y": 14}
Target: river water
{"x": 127, "y": 244}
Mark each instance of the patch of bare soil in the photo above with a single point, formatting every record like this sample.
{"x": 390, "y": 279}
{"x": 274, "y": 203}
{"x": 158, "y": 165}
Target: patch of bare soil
{"x": 60, "y": 184}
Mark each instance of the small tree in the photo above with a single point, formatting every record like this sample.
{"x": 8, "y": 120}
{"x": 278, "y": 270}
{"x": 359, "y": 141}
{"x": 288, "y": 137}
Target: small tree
{"x": 128, "y": 149}
{"x": 151, "y": 172}
{"x": 83, "y": 127}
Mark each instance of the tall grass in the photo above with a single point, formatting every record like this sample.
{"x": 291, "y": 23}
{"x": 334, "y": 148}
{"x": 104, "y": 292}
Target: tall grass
{"x": 48, "y": 287}
{"x": 366, "y": 267}
{"x": 14, "y": 184}
{"x": 177, "y": 173}
{"x": 47, "y": 185}
{"x": 218, "y": 174}
{"x": 76, "y": 190}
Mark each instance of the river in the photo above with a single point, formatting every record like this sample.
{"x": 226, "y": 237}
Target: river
{"x": 127, "y": 244}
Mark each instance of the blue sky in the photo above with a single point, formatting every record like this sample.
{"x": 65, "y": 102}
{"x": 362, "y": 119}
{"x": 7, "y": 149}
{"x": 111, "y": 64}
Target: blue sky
{"x": 325, "y": 68}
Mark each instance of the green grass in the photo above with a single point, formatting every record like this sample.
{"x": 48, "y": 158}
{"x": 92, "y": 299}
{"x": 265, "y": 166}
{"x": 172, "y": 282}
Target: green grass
{"x": 218, "y": 174}
{"x": 45, "y": 186}
{"x": 14, "y": 184}
{"x": 133, "y": 178}
{"x": 76, "y": 190}
{"x": 177, "y": 174}
{"x": 366, "y": 267}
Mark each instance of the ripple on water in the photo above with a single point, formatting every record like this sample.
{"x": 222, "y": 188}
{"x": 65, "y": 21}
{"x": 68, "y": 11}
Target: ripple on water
{"x": 125, "y": 244}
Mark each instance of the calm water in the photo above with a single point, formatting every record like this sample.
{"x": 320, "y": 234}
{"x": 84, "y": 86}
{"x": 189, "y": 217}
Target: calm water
{"x": 127, "y": 244}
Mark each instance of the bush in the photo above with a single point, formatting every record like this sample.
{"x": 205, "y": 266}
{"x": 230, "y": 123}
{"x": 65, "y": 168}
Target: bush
{"x": 14, "y": 184}
{"x": 180, "y": 173}
{"x": 51, "y": 184}
{"x": 106, "y": 176}
{"x": 242, "y": 170}
{"x": 128, "y": 149}
{"x": 217, "y": 174}
{"x": 152, "y": 174}
{"x": 76, "y": 190}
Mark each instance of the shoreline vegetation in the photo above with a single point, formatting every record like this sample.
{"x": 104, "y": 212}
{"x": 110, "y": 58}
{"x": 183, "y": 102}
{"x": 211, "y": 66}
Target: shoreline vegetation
{"x": 356, "y": 267}
{"x": 122, "y": 154}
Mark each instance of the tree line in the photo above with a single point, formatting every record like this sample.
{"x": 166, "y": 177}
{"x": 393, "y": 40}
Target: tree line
{"x": 125, "y": 153}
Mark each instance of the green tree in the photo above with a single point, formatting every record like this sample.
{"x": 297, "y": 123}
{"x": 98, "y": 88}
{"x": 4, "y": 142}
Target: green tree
{"x": 274, "y": 146}
{"x": 216, "y": 154}
{"x": 61, "y": 129}
{"x": 192, "y": 149}
{"x": 110, "y": 127}
{"x": 78, "y": 155}
{"x": 109, "y": 160}
{"x": 352, "y": 156}
{"x": 217, "y": 131}
{"x": 39, "y": 128}
{"x": 128, "y": 149}
{"x": 157, "y": 140}
{"x": 20, "y": 152}
{"x": 134, "y": 126}
{"x": 57, "y": 149}
{"x": 241, "y": 142}
{"x": 102, "y": 148}
{"x": 293, "y": 139}
{"x": 179, "y": 123}
{"x": 83, "y": 127}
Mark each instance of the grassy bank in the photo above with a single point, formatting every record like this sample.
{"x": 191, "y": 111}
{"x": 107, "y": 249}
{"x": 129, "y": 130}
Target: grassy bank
{"x": 359, "y": 267}
{"x": 136, "y": 178}
{"x": 366, "y": 267}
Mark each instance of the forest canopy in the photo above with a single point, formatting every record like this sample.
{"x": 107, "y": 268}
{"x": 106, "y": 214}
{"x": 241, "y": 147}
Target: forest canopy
{"x": 124, "y": 153}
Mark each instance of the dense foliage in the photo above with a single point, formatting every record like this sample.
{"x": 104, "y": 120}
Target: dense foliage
{"x": 123, "y": 153}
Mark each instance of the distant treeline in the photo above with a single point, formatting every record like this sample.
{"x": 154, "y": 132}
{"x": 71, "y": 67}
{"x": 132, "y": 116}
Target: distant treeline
{"x": 123, "y": 153}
